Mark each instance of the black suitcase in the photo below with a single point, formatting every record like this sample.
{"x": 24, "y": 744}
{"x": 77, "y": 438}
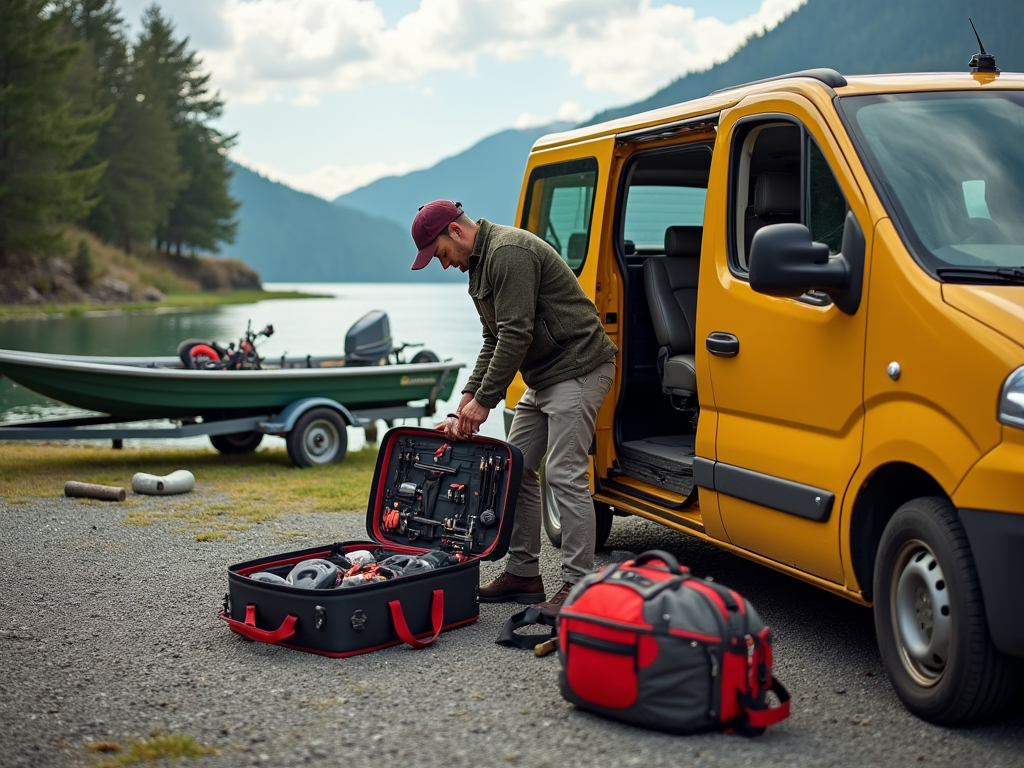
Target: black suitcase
{"x": 427, "y": 494}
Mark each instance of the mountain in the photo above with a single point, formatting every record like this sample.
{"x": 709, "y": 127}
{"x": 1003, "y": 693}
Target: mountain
{"x": 291, "y": 236}
{"x": 364, "y": 235}
{"x": 485, "y": 179}
{"x": 866, "y": 37}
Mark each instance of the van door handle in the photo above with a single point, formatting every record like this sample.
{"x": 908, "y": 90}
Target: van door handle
{"x": 723, "y": 344}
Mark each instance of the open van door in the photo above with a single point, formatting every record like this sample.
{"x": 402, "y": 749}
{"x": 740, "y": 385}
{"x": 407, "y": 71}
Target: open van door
{"x": 563, "y": 203}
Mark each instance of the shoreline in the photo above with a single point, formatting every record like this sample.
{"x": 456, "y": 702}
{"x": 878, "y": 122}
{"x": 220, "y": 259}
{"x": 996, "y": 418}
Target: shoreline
{"x": 175, "y": 302}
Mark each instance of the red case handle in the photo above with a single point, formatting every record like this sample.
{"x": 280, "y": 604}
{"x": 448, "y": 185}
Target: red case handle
{"x": 249, "y": 629}
{"x": 436, "y": 619}
{"x": 762, "y": 718}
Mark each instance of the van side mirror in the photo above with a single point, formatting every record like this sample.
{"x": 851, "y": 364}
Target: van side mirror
{"x": 784, "y": 261}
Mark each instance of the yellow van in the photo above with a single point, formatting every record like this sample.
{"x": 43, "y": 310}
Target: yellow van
{"x": 816, "y": 284}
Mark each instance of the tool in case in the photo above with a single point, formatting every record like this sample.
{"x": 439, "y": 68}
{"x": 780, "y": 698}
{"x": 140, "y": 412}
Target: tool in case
{"x": 436, "y": 509}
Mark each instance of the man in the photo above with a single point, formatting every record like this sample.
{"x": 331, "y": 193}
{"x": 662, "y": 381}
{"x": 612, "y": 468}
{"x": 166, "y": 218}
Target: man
{"x": 536, "y": 319}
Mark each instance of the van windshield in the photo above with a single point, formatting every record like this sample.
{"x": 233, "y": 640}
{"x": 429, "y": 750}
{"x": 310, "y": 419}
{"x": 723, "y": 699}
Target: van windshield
{"x": 952, "y": 167}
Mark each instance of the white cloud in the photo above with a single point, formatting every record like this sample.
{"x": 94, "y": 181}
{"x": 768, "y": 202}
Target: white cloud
{"x": 527, "y": 120}
{"x": 328, "y": 181}
{"x": 625, "y": 47}
{"x": 570, "y": 111}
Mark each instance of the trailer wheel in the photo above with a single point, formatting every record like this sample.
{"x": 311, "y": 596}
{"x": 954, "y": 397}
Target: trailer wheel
{"x": 318, "y": 437}
{"x": 552, "y": 517}
{"x": 930, "y": 618}
{"x": 238, "y": 442}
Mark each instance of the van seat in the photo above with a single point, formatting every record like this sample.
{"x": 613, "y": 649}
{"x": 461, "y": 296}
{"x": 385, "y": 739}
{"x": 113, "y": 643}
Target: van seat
{"x": 776, "y": 201}
{"x": 671, "y": 284}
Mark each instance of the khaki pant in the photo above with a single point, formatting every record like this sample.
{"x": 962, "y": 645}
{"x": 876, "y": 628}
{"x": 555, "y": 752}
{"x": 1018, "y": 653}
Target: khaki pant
{"x": 557, "y": 421}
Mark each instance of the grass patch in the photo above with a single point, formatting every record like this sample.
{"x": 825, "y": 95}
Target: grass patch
{"x": 232, "y": 492}
{"x": 159, "y": 746}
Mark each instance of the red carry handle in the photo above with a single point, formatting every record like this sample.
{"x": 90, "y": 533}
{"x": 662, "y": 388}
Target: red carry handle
{"x": 762, "y": 718}
{"x": 249, "y": 629}
{"x": 436, "y": 618}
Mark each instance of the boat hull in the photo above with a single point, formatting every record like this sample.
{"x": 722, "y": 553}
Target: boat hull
{"x": 128, "y": 389}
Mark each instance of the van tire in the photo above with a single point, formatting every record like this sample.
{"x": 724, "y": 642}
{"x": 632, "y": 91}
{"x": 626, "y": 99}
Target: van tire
{"x": 318, "y": 437}
{"x": 930, "y": 619}
{"x": 553, "y": 519}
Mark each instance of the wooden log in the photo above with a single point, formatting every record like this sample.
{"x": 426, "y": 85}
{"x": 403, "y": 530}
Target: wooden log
{"x": 92, "y": 491}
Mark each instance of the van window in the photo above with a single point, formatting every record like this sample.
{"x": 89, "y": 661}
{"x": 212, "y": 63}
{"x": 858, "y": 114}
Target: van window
{"x": 663, "y": 188}
{"x": 559, "y": 207}
{"x": 825, "y": 204}
{"x": 653, "y": 209}
{"x": 951, "y": 170}
{"x": 779, "y": 175}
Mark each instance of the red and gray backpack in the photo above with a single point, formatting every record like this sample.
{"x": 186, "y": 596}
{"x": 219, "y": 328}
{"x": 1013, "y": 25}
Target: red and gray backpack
{"x": 647, "y": 643}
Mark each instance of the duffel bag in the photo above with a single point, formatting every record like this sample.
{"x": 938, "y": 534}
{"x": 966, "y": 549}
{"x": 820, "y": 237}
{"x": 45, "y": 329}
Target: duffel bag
{"x": 647, "y": 643}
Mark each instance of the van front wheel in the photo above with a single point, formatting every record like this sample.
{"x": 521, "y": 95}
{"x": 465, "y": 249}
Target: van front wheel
{"x": 552, "y": 516}
{"x": 930, "y": 618}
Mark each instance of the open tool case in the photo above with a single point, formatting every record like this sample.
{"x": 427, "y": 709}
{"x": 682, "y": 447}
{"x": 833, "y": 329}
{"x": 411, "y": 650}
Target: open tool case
{"x": 428, "y": 494}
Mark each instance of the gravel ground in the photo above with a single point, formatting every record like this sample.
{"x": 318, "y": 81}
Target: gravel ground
{"x": 108, "y": 632}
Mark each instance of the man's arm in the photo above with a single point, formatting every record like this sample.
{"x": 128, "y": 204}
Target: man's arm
{"x": 515, "y": 280}
{"x": 483, "y": 360}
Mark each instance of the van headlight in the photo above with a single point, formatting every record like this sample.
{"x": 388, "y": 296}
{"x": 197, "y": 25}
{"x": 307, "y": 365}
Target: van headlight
{"x": 1011, "y": 400}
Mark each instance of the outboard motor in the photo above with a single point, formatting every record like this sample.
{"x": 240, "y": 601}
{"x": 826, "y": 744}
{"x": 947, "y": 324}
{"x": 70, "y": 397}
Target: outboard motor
{"x": 368, "y": 341}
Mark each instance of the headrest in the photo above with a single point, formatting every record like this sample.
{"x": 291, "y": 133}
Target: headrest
{"x": 683, "y": 241}
{"x": 576, "y": 250}
{"x": 777, "y": 194}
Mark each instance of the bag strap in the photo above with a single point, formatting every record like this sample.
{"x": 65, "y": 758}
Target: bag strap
{"x": 658, "y": 554}
{"x": 759, "y": 716}
{"x": 436, "y": 620}
{"x": 532, "y": 616}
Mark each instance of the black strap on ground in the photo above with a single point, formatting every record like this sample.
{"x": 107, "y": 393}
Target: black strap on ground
{"x": 530, "y": 617}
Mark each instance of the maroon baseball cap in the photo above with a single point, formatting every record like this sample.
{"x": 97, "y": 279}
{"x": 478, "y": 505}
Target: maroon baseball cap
{"x": 430, "y": 223}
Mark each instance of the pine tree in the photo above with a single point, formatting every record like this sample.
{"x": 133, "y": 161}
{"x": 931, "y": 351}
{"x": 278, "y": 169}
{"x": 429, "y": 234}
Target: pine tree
{"x": 41, "y": 136}
{"x": 139, "y": 143}
{"x": 201, "y": 217}
{"x": 144, "y": 173}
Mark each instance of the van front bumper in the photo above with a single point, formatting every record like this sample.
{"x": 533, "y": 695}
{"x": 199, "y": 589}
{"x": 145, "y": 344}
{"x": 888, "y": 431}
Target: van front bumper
{"x": 997, "y": 542}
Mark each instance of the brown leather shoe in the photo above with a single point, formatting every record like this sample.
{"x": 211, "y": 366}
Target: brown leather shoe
{"x": 509, "y": 588}
{"x": 554, "y": 605}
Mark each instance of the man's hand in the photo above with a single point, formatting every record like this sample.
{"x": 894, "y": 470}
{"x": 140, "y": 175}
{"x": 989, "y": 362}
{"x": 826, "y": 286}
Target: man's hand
{"x": 471, "y": 416}
{"x": 467, "y": 397}
{"x": 451, "y": 426}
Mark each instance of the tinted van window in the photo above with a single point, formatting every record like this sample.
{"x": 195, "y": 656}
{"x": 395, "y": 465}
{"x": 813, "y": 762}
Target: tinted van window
{"x": 560, "y": 205}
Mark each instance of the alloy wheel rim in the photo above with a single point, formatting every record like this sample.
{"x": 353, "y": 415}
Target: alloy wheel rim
{"x": 321, "y": 441}
{"x": 921, "y": 614}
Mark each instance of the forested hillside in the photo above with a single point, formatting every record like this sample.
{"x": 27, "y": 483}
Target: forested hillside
{"x": 107, "y": 131}
{"x": 481, "y": 178}
{"x": 865, "y": 37}
{"x": 291, "y": 236}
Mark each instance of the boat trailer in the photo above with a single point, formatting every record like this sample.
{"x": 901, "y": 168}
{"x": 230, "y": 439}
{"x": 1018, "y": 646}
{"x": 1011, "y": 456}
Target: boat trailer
{"x": 313, "y": 428}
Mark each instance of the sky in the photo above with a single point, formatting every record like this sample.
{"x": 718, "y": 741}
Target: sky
{"x": 328, "y": 95}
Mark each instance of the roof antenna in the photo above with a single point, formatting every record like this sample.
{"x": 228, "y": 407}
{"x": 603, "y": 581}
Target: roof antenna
{"x": 981, "y": 61}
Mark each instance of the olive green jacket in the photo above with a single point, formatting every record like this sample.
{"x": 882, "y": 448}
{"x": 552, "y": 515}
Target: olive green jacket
{"x": 535, "y": 316}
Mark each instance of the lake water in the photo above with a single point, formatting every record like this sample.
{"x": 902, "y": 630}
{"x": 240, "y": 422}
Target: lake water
{"x": 440, "y": 316}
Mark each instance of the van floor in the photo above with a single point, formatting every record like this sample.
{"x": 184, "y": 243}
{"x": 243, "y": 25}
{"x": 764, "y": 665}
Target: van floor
{"x": 665, "y": 460}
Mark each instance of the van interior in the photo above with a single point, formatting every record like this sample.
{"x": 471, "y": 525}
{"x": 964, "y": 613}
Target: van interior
{"x": 659, "y": 225}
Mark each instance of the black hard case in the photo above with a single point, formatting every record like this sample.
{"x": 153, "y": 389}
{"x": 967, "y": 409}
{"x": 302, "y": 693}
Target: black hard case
{"x": 412, "y": 609}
